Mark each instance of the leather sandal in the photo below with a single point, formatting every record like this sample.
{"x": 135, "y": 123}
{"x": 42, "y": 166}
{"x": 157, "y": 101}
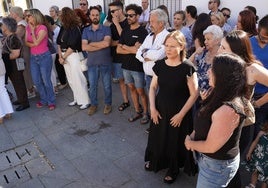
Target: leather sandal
{"x": 135, "y": 117}
{"x": 123, "y": 106}
{"x": 170, "y": 177}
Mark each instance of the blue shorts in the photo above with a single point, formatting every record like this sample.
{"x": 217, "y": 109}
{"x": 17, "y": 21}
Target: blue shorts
{"x": 117, "y": 71}
{"x": 134, "y": 77}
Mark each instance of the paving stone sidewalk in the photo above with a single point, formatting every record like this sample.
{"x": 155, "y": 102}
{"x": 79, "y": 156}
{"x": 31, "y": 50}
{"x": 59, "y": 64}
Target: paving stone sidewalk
{"x": 67, "y": 148}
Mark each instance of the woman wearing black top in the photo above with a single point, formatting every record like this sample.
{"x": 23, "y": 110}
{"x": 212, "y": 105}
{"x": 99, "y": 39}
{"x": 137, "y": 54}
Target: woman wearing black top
{"x": 69, "y": 46}
{"x": 218, "y": 123}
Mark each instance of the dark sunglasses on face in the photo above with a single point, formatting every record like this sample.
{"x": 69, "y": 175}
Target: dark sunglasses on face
{"x": 226, "y": 15}
{"x": 28, "y": 15}
{"x": 82, "y": 4}
{"x": 113, "y": 11}
{"x": 210, "y": 2}
{"x": 130, "y": 15}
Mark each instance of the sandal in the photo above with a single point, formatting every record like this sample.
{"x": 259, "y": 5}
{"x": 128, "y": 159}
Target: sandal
{"x": 145, "y": 119}
{"x": 170, "y": 177}
{"x": 148, "y": 167}
{"x": 135, "y": 117}
{"x": 123, "y": 106}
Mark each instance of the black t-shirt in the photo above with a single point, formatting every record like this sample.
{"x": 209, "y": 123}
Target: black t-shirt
{"x": 130, "y": 37}
{"x": 116, "y": 37}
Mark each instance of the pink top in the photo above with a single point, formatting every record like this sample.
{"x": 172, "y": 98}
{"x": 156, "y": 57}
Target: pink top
{"x": 43, "y": 46}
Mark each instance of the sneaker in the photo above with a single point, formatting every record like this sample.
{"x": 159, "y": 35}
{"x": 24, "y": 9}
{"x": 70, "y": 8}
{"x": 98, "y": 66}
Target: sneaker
{"x": 84, "y": 106}
{"x": 39, "y": 105}
{"x": 107, "y": 109}
{"x": 31, "y": 94}
{"x": 115, "y": 80}
{"x": 72, "y": 103}
{"x": 92, "y": 110}
{"x": 60, "y": 87}
{"x": 51, "y": 107}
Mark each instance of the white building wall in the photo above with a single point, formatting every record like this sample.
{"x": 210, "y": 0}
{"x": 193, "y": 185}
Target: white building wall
{"x": 234, "y": 5}
{"x": 44, "y": 5}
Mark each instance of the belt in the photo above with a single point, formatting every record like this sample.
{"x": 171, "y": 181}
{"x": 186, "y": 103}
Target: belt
{"x": 64, "y": 50}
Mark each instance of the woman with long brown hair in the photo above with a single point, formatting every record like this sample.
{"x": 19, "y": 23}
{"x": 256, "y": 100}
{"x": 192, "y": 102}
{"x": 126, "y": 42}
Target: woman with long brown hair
{"x": 69, "y": 46}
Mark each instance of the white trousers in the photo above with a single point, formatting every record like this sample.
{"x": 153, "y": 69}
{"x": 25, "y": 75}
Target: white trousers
{"x": 5, "y": 103}
{"x": 76, "y": 79}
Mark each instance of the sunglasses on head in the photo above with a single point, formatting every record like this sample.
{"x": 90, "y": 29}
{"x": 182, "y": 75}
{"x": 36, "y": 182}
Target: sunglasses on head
{"x": 130, "y": 15}
{"x": 82, "y": 4}
{"x": 113, "y": 11}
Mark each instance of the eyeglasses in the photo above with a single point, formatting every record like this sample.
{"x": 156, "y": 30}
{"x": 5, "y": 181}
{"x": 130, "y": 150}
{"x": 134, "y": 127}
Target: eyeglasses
{"x": 82, "y": 4}
{"x": 226, "y": 15}
{"x": 130, "y": 15}
{"x": 210, "y": 2}
{"x": 113, "y": 11}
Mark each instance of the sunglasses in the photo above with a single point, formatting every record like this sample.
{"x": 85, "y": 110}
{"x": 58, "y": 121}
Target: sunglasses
{"x": 210, "y": 2}
{"x": 226, "y": 15}
{"x": 82, "y": 4}
{"x": 130, "y": 15}
{"x": 28, "y": 15}
{"x": 113, "y": 11}
{"x": 263, "y": 39}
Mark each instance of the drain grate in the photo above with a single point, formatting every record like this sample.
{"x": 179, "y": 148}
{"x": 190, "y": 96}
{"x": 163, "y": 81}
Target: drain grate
{"x": 22, "y": 163}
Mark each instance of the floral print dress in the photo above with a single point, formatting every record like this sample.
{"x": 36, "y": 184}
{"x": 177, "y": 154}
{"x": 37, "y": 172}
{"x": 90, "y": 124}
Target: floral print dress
{"x": 259, "y": 159}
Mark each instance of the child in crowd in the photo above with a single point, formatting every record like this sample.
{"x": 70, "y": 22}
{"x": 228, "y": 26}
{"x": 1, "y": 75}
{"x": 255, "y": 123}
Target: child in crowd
{"x": 257, "y": 158}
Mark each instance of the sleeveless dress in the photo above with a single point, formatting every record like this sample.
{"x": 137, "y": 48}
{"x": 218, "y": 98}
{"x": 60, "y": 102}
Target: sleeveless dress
{"x": 165, "y": 147}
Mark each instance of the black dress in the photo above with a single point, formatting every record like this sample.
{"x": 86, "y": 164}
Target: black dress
{"x": 165, "y": 147}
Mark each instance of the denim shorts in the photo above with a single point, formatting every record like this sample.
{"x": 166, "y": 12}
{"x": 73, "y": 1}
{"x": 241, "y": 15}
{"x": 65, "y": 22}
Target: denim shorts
{"x": 134, "y": 77}
{"x": 117, "y": 71}
{"x": 215, "y": 173}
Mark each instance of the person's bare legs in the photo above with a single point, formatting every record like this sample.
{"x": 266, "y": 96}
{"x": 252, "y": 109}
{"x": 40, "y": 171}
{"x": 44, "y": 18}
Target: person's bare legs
{"x": 124, "y": 91}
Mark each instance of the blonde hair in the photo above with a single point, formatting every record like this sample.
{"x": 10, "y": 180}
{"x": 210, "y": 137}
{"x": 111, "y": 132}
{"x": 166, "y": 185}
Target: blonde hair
{"x": 179, "y": 37}
{"x": 38, "y": 16}
{"x": 219, "y": 16}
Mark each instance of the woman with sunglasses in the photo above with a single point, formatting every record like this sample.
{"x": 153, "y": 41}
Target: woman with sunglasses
{"x": 41, "y": 59}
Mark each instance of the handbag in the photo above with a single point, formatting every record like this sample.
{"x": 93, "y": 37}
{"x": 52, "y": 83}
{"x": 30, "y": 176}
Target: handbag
{"x": 249, "y": 112}
{"x": 20, "y": 64}
{"x": 83, "y": 62}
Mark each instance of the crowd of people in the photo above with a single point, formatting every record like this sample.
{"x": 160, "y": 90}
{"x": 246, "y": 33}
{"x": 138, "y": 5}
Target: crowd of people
{"x": 188, "y": 79}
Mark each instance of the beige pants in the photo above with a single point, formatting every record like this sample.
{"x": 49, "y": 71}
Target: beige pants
{"x": 76, "y": 79}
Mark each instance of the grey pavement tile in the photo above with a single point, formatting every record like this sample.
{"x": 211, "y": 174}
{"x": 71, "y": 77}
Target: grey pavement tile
{"x": 112, "y": 146}
{"x": 99, "y": 170}
{"x": 32, "y": 183}
{"x": 5, "y": 139}
{"x": 18, "y": 121}
{"x": 65, "y": 170}
{"x": 70, "y": 145}
{"x": 53, "y": 182}
{"x": 24, "y": 135}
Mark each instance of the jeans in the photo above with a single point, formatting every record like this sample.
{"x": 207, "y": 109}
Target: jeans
{"x": 215, "y": 173}
{"x": 41, "y": 66}
{"x": 148, "y": 80}
{"x": 94, "y": 72}
{"x": 134, "y": 77}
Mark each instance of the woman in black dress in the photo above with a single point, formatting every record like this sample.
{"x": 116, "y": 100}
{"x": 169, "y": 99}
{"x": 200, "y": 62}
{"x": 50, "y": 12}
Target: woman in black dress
{"x": 173, "y": 91}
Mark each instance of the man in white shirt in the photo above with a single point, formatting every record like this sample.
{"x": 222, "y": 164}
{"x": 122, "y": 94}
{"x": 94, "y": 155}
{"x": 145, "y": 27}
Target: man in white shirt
{"x": 144, "y": 17}
{"x": 152, "y": 49}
